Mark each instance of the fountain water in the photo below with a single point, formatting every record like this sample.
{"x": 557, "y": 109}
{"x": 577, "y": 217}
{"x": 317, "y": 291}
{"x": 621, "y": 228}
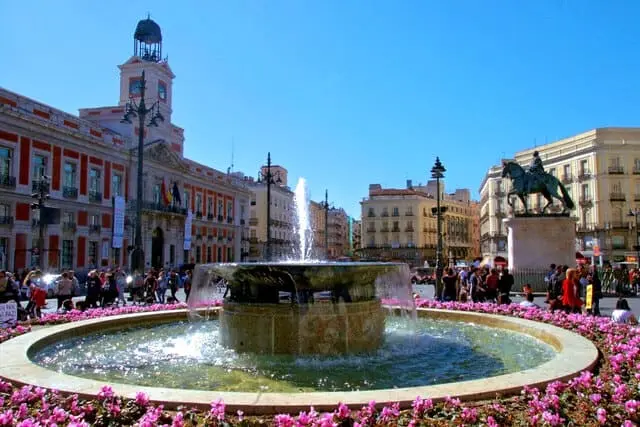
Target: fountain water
{"x": 303, "y": 226}
{"x": 303, "y": 306}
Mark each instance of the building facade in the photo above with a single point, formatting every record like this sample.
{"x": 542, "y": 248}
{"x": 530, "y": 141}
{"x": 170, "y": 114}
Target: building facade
{"x": 356, "y": 234}
{"x": 400, "y": 225}
{"x": 601, "y": 171}
{"x": 318, "y": 214}
{"x": 92, "y": 159}
{"x": 339, "y": 237}
{"x": 282, "y": 221}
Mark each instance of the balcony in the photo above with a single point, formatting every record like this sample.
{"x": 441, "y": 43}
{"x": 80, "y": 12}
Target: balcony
{"x": 618, "y": 225}
{"x": 253, "y": 221}
{"x": 616, "y": 170}
{"x": 158, "y": 207}
{"x": 636, "y": 170}
{"x": 585, "y": 228}
{"x": 567, "y": 178}
{"x": 220, "y": 218}
{"x": 198, "y": 236}
{"x": 37, "y": 186}
{"x": 198, "y": 214}
{"x": 371, "y": 214}
{"x": 69, "y": 192}
{"x": 371, "y": 229}
{"x": 7, "y": 181}
{"x": 395, "y": 229}
{"x": 385, "y": 229}
{"x": 395, "y": 214}
{"x": 242, "y": 221}
{"x": 69, "y": 227}
{"x": 617, "y": 197}
{"x": 95, "y": 228}
{"x": 409, "y": 229}
{"x": 384, "y": 214}
{"x": 408, "y": 214}
{"x": 636, "y": 197}
{"x": 95, "y": 197}
{"x": 229, "y": 220}
{"x": 6, "y": 220}
{"x": 210, "y": 217}
{"x": 584, "y": 175}
{"x": 586, "y": 200}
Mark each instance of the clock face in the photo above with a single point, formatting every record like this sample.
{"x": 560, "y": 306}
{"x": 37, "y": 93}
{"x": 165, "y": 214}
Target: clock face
{"x": 162, "y": 91}
{"x": 135, "y": 86}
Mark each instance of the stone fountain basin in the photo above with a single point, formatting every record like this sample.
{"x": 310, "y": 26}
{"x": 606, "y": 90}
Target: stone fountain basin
{"x": 574, "y": 355}
{"x": 264, "y": 282}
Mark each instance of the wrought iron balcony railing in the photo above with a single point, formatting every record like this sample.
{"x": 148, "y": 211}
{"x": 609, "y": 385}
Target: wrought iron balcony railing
{"x": 7, "y": 181}
{"x": 69, "y": 192}
{"x": 95, "y": 197}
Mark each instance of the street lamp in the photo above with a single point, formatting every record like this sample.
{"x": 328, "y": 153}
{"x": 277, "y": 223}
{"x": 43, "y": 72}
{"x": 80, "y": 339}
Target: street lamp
{"x": 636, "y": 213}
{"x": 269, "y": 178}
{"x": 140, "y": 110}
{"x": 41, "y": 195}
{"x": 437, "y": 172}
{"x": 326, "y": 223}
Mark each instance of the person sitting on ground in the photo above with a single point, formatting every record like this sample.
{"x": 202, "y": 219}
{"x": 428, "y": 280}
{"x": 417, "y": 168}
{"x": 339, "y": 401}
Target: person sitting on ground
{"x": 623, "y": 313}
{"x": 67, "y": 306}
{"x": 527, "y": 289}
{"x": 528, "y": 302}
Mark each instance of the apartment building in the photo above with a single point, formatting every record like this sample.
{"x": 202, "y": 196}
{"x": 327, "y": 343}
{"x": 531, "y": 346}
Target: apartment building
{"x": 601, "y": 170}
{"x": 400, "y": 225}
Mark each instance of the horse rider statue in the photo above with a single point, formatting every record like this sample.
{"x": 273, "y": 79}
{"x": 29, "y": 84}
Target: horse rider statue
{"x": 535, "y": 181}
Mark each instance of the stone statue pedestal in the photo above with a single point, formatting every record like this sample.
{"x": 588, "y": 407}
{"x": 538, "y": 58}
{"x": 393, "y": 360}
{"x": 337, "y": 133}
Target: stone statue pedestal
{"x": 535, "y": 242}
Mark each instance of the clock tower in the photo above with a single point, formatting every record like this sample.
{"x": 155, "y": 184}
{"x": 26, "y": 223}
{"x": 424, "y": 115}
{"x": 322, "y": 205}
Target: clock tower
{"x": 147, "y": 56}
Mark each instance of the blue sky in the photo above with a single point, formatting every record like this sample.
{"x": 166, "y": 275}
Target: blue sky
{"x": 347, "y": 93}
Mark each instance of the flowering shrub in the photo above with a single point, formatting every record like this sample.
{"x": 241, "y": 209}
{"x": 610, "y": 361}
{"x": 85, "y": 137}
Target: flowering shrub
{"x": 609, "y": 397}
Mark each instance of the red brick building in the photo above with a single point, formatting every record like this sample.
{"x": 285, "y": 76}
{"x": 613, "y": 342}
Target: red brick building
{"x": 92, "y": 158}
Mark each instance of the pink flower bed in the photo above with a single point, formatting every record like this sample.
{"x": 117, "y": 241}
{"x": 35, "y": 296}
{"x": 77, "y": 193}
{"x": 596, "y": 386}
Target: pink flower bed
{"x": 610, "y": 396}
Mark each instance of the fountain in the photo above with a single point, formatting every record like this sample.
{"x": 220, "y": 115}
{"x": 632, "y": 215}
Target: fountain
{"x": 302, "y": 306}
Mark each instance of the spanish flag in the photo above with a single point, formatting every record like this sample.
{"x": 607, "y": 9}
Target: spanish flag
{"x": 166, "y": 193}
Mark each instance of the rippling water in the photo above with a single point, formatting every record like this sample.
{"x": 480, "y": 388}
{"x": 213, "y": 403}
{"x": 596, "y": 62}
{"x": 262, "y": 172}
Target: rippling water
{"x": 189, "y": 355}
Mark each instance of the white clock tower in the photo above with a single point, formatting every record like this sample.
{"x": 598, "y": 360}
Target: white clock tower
{"x": 147, "y": 56}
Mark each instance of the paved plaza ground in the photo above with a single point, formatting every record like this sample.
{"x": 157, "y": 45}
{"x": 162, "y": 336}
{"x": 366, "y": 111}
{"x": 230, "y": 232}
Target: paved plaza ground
{"x": 426, "y": 291}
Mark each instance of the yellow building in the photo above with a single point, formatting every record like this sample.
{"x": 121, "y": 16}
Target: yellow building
{"x": 601, "y": 170}
{"x": 399, "y": 224}
{"x": 318, "y": 215}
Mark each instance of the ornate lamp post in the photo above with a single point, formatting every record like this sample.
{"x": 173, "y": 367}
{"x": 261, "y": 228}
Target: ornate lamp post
{"x": 140, "y": 110}
{"x": 437, "y": 172}
{"x": 326, "y": 224}
{"x": 42, "y": 195}
{"x": 269, "y": 178}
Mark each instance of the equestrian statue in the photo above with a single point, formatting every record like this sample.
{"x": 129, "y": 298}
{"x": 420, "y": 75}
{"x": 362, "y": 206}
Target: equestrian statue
{"x": 535, "y": 181}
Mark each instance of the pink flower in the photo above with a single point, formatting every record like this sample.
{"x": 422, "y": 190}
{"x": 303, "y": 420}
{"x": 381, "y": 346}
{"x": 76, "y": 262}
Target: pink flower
{"x": 106, "y": 392}
{"x": 217, "y": 410}
{"x": 601, "y": 415}
{"x": 240, "y": 415}
{"x": 343, "y": 411}
{"x": 284, "y": 420}
{"x": 142, "y": 398}
{"x": 631, "y": 406}
{"x": 491, "y": 422}
{"x": 595, "y": 398}
{"x": 469, "y": 415}
{"x": 552, "y": 419}
{"x": 178, "y": 420}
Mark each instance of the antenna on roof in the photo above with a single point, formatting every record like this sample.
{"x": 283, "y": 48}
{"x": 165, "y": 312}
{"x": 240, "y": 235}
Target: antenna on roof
{"x": 232, "y": 152}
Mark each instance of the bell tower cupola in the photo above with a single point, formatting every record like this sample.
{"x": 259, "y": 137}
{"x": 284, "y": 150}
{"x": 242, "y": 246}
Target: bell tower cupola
{"x": 147, "y": 40}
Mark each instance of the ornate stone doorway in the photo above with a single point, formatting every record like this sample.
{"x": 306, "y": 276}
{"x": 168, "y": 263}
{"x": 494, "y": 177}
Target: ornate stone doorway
{"x": 157, "y": 248}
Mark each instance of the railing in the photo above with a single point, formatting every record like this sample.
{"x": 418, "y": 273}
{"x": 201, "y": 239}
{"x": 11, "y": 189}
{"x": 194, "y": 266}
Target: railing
{"x": 385, "y": 229}
{"x": 69, "y": 192}
{"x": 409, "y": 229}
{"x": 636, "y": 170}
{"x": 7, "y": 181}
{"x": 371, "y": 230}
{"x": 37, "y": 186}
{"x": 371, "y": 214}
{"x": 408, "y": 214}
{"x": 384, "y": 214}
{"x": 620, "y": 197}
{"x": 229, "y": 220}
{"x": 395, "y": 214}
{"x": 159, "y": 207}
{"x": 95, "y": 197}
{"x": 584, "y": 174}
{"x": 616, "y": 170}
{"x": 95, "y": 228}
{"x": 586, "y": 200}
{"x": 198, "y": 236}
{"x": 531, "y": 276}
{"x": 395, "y": 229}
{"x": 242, "y": 222}
{"x": 210, "y": 217}
{"x": 618, "y": 224}
{"x": 198, "y": 214}
{"x": 253, "y": 221}
{"x": 6, "y": 220}
{"x": 220, "y": 218}
{"x": 567, "y": 178}
{"x": 636, "y": 197}
{"x": 69, "y": 227}
{"x": 582, "y": 228}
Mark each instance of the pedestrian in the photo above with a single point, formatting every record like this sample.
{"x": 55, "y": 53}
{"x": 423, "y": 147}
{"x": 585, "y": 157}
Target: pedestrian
{"x": 163, "y": 280}
{"x": 187, "y": 285}
{"x": 121, "y": 284}
{"x": 65, "y": 289}
{"x": 94, "y": 287}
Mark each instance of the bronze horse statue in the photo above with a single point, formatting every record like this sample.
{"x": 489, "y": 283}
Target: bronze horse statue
{"x": 525, "y": 183}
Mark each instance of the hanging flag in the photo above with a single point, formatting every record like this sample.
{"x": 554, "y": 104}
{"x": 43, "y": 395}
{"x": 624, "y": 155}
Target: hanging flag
{"x": 168, "y": 195}
{"x": 163, "y": 190}
{"x": 176, "y": 194}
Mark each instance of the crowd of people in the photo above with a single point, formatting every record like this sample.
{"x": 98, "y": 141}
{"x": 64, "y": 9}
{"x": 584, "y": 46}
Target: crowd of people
{"x": 565, "y": 288}
{"x": 104, "y": 288}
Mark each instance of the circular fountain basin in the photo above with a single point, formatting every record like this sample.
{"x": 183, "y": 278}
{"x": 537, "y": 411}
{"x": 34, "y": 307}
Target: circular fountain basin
{"x": 573, "y": 354}
{"x": 322, "y": 308}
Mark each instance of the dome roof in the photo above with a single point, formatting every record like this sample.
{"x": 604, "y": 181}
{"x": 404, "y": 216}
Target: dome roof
{"x": 147, "y": 31}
